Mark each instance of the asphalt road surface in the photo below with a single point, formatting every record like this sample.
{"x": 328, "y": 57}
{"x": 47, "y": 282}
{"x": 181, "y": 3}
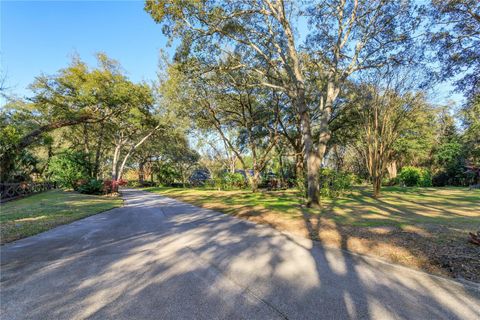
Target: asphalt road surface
{"x": 158, "y": 258}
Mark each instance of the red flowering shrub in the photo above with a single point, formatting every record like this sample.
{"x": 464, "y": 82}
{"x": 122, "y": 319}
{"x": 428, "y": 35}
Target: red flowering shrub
{"x": 110, "y": 186}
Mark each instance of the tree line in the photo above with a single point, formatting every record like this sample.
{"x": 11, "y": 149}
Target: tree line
{"x": 84, "y": 123}
{"x": 281, "y": 89}
{"x": 322, "y": 74}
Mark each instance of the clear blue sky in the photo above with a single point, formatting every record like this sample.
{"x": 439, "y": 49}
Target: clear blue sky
{"x": 41, "y": 36}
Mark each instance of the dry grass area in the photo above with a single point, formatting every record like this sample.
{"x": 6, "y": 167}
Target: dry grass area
{"x": 37, "y": 213}
{"x": 424, "y": 228}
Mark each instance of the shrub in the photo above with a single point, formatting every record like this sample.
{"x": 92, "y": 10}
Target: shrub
{"x": 209, "y": 184}
{"x": 335, "y": 183}
{"x": 440, "y": 179}
{"x": 179, "y": 185}
{"x": 68, "y": 167}
{"x": 142, "y": 184}
{"x": 234, "y": 180}
{"x": 111, "y": 186}
{"x": 410, "y": 176}
{"x": 146, "y": 183}
{"x": 134, "y": 184}
{"x": 167, "y": 174}
{"x": 415, "y": 177}
{"x": 92, "y": 186}
{"x": 426, "y": 178}
{"x": 228, "y": 181}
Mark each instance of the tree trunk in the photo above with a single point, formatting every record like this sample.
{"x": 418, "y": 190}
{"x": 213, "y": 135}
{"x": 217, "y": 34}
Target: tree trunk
{"x": 98, "y": 153}
{"x": 34, "y": 134}
{"x": 254, "y": 180}
{"x": 232, "y": 161}
{"x": 281, "y": 169}
{"x": 132, "y": 149}
{"x": 392, "y": 169}
{"x": 184, "y": 178}
{"x": 141, "y": 171}
{"x": 338, "y": 159}
{"x": 299, "y": 166}
{"x": 151, "y": 176}
{"x": 325, "y": 133}
{"x": 86, "y": 139}
{"x": 313, "y": 183}
{"x": 86, "y": 149}
{"x": 377, "y": 184}
{"x": 313, "y": 164}
{"x": 116, "y": 157}
{"x": 49, "y": 157}
{"x": 122, "y": 166}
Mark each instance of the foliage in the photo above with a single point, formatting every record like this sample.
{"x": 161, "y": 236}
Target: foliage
{"x": 389, "y": 113}
{"x": 447, "y": 155}
{"x": 68, "y": 167}
{"x": 450, "y": 158}
{"x": 15, "y": 120}
{"x": 92, "y": 186}
{"x": 455, "y": 34}
{"x": 415, "y": 177}
{"x": 227, "y": 102}
{"x": 102, "y": 112}
{"x": 167, "y": 174}
{"x": 141, "y": 184}
{"x": 335, "y": 183}
{"x": 253, "y": 43}
{"x": 275, "y": 104}
{"x": 470, "y": 116}
{"x": 111, "y": 186}
{"x": 229, "y": 181}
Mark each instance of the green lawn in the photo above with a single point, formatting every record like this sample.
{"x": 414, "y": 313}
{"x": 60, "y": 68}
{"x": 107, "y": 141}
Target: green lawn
{"x": 37, "y": 213}
{"x": 426, "y": 228}
{"x": 397, "y": 207}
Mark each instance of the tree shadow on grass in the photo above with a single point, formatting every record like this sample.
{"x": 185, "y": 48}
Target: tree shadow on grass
{"x": 158, "y": 258}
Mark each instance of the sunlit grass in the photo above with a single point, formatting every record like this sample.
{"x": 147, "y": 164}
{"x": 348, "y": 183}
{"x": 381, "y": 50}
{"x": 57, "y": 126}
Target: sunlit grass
{"x": 398, "y": 207}
{"x": 40, "y": 212}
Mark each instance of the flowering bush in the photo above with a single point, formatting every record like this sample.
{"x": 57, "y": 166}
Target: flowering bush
{"x": 94, "y": 186}
{"x": 111, "y": 186}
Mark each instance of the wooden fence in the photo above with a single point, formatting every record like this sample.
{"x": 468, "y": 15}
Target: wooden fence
{"x": 10, "y": 191}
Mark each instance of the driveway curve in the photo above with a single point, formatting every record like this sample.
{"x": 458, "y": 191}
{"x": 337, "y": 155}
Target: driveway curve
{"x": 158, "y": 258}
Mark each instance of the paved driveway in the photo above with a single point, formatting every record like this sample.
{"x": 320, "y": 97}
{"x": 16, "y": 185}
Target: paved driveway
{"x": 157, "y": 258}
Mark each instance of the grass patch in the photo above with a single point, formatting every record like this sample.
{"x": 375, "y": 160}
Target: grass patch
{"x": 37, "y": 213}
{"x": 398, "y": 207}
{"x": 425, "y": 228}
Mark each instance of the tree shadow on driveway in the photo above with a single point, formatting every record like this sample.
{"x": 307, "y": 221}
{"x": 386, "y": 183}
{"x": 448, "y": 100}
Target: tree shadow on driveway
{"x": 158, "y": 258}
